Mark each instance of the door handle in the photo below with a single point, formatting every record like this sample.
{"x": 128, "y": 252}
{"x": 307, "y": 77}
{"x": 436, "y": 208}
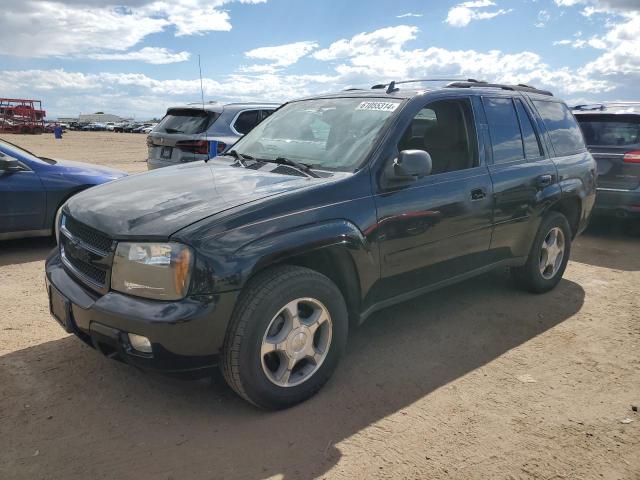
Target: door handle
{"x": 544, "y": 181}
{"x": 478, "y": 194}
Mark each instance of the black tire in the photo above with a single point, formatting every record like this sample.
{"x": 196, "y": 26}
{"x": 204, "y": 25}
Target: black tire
{"x": 529, "y": 276}
{"x": 261, "y": 300}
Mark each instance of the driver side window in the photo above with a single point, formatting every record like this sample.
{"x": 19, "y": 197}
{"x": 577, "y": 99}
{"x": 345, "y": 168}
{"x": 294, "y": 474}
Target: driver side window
{"x": 445, "y": 129}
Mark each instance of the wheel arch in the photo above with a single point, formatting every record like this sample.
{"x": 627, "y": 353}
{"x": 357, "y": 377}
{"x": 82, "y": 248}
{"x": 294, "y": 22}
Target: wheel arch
{"x": 336, "y": 249}
{"x": 571, "y": 208}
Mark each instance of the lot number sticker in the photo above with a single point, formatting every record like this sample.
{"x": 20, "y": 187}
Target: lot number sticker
{"x": 378, "y": 106}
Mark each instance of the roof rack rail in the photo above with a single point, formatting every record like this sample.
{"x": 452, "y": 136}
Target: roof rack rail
{"x": 391, "y": 87}
{"x": 590, "y": 106}
{"x": 521, "y": 87}
{"x": 604, "y": 105}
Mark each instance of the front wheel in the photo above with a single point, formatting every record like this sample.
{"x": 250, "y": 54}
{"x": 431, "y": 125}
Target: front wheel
{"x": 285, "y": 338}
{"x": 549, "y": 255}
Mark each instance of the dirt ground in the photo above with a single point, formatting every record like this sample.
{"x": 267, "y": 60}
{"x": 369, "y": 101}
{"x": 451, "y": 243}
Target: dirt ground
{"x": 478, "y": 381}
{"x": 124, "y": 151}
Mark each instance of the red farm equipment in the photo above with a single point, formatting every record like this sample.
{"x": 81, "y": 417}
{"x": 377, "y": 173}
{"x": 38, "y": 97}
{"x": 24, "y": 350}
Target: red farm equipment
{"x": 18, "y": 115}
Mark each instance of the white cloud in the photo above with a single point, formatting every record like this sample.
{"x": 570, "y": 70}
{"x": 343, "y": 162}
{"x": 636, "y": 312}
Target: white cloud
{"x": 279, "y": 56}
{"x": 361, "y": 60}
{"x": 368, "y": 58}
{"x": 387, "y": 39}
{"x": 464, "y": 13}
{"x": 409, "y": 15}
{"x": 601, "y": 6}
{"x": 66, "y": 93}
{"x": 154, "y": 55}
{"x": 621, "y": 59}
{"x": 543, "y": 17}
{"x": 41, "y": 28}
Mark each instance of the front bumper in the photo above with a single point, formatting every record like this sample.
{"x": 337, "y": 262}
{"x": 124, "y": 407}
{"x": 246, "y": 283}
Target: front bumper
{"x": 185, "y": 335}
{"x": 619, "y": 203}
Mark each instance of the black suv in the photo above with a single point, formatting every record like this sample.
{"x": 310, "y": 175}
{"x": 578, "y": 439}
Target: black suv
{"x": 612, "y": 133}
{"x": 335, "y": 206}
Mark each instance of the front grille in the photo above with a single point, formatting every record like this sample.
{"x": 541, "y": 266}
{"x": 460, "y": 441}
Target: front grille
{"x": 87, "y": 234}
{"x": 86, "y": 253}
{"x": 93, "y": 273}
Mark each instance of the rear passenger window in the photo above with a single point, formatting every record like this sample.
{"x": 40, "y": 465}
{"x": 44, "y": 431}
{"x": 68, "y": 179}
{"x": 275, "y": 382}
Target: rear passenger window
{"x": 532, "y": 148}
{"x": 564, "y": 132}
{"x": 266, "y": 113}
{"x": 505, "y": 130}
{"x": 246, "y": 121}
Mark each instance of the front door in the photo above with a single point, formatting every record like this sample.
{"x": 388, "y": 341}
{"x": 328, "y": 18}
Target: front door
{"x": 22, "y": 201}
{"x": 438, "y": 227}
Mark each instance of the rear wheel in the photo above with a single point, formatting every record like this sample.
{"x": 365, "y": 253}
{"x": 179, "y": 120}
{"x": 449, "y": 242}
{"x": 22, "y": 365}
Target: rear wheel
{"x": 549, "y": 255}
{"x": 285, "y": 338}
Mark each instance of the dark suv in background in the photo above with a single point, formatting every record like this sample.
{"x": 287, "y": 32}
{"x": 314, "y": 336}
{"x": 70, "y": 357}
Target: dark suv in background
{"x": 612, "y": 133}
{"x": 262, "y": 259}
{"x": 196, "y": 132}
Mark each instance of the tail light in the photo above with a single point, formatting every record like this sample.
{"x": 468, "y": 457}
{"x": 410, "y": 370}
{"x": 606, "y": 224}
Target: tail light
{"x": 149, "y": 141}
{"x": 194, "y": 146}
{"x": 632, "y": 157}
{"x": 221, "y": 147}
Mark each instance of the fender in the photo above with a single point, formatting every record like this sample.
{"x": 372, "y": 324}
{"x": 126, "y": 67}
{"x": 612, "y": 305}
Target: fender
{"x": 280, "y": 246}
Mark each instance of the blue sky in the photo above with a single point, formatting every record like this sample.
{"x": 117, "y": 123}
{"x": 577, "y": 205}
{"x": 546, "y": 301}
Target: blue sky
{"x": 137, "y": 57}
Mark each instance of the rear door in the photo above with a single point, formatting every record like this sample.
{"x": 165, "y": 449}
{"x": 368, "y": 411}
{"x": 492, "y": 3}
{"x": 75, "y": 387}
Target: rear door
{"x": 614, "y": 141}
{"x": 523, "y": 174}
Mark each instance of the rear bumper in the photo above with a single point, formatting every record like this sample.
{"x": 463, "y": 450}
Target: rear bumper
{"x": 186, "y": 335}
{"x": 619, "y": 203}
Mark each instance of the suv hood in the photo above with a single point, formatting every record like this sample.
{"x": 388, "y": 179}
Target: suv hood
{"x": 156, "y": 204}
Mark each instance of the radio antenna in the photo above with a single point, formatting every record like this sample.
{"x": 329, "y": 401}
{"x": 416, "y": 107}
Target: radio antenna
{"x": 201, "y": 89}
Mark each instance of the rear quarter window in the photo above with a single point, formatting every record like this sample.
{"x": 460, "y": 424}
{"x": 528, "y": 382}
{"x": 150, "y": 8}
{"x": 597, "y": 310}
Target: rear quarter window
{"x": 563, "y": 129}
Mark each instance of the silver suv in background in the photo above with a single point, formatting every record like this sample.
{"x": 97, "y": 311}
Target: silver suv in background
{"x": 196, "y": 132}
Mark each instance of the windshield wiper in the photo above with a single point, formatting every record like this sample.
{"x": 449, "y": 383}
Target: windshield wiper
{"x": 302, "y": 167}
{"x": 240, "y": 158}
{"x": 172, "y": 130}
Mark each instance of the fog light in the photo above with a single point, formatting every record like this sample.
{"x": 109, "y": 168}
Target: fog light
{"x": 140, "y": 343}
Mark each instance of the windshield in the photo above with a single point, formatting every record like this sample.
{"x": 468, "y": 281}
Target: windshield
{"x": 332, "y": 134}
{"x": 186, "y": 120}
{"x": 610, "y": 130}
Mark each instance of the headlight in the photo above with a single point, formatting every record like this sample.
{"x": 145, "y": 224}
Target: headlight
{"x": 152, "y": 270}
{"x": 56, "y": 224}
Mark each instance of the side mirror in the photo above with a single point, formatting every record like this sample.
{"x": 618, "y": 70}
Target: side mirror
{"x": 10, "y": 164}
{"x": 411, "y": 165}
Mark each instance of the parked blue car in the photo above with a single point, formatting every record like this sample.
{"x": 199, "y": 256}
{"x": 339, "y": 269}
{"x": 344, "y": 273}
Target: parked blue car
{"x": 32, "y": 189}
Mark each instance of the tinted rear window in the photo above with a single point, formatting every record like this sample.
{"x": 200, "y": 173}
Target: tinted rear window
{"x": 505, "y": 130}
{"x": 186, "y": 120}
{"x": 565, "y": 134}
{"x": 610, "y": 130}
